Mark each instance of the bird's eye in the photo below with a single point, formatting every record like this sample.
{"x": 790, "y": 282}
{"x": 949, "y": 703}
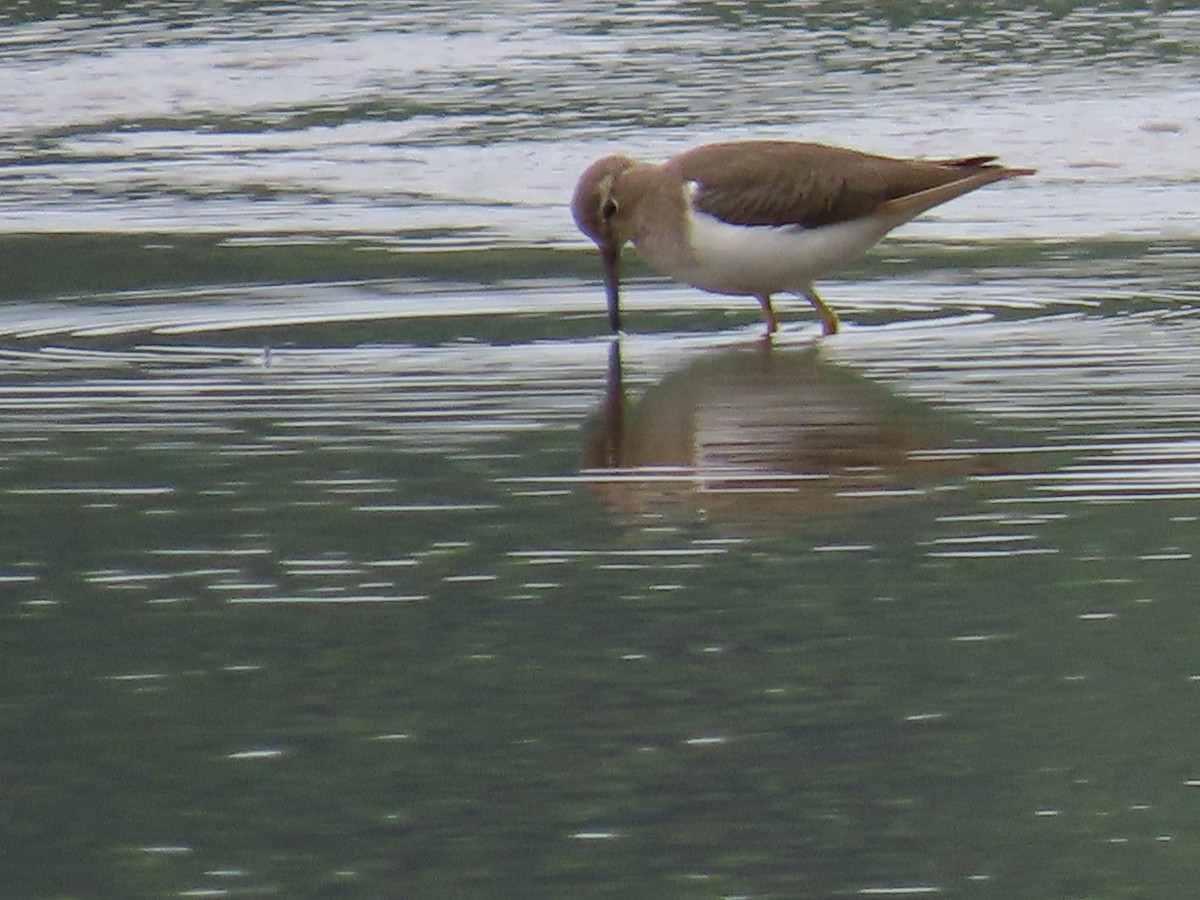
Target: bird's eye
{"x": 609, "y": 208}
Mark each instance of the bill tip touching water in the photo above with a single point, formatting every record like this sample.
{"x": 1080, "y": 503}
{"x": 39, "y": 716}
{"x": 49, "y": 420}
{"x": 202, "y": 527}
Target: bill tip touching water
{"x": 756, "y": 218}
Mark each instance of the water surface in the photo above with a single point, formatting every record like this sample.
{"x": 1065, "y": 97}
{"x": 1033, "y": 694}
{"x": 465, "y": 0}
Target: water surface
{"x": 344, "y": 553}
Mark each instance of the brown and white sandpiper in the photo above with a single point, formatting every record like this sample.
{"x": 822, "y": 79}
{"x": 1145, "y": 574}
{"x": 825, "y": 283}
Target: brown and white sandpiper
{"x": 757, "y": 218}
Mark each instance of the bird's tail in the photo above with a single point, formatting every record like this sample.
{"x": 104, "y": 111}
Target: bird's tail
{"x": 901, "y": 209}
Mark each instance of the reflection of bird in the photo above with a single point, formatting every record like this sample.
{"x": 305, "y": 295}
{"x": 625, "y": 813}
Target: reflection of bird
{"x": 761, "y": 433}
{"x": 759, "y": 217}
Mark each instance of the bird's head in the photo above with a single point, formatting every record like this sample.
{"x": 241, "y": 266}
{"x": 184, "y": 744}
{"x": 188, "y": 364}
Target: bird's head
{"x": 597, "y": 210}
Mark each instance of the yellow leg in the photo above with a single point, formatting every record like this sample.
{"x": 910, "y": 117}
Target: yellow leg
{"x": 764, "y": 300}
{"x": 829, "y": 319}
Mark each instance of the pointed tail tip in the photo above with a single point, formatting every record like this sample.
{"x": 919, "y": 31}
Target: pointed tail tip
{"x": 986, "y": 164}
{"x": 981, "y": 162}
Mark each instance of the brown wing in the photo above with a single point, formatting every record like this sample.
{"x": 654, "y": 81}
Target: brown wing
{"x": 785, "y": 183}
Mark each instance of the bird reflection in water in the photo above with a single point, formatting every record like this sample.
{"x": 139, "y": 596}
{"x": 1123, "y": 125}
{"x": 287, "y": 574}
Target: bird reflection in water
{"x": 764, "y": 432}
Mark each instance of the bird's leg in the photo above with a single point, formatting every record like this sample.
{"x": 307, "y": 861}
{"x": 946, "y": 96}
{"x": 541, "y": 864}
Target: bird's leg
{"x": 829, "y": 319}
{"x": 764, "y": 300}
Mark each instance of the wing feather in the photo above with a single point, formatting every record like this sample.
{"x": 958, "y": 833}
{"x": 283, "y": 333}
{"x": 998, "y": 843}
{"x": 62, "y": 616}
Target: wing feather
{"x": 784, "y": 183}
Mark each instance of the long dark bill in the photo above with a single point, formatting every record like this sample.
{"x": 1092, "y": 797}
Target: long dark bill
{"x": 610, "y": 259}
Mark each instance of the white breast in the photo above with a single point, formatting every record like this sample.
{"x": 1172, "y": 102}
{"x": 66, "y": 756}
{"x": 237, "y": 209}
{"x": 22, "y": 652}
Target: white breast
{"x": 764, "y": 259}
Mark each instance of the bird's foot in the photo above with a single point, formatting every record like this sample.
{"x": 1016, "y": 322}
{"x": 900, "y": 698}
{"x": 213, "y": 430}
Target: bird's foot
{"x": 830, "y": 323}
{"x": 768, "y": 313}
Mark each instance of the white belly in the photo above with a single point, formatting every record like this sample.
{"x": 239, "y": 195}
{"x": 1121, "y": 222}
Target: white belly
{"x": 764, "y": 259}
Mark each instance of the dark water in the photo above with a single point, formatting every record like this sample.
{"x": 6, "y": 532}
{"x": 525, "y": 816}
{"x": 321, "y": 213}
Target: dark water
{"x": 344, "y": 554}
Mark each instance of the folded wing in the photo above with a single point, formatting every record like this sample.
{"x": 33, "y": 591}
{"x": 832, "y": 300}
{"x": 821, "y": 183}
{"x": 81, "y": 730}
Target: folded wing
{"x": 783, "y": 183}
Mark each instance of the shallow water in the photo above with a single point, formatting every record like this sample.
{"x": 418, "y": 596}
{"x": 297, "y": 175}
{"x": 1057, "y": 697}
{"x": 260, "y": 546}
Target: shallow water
{"x": 343, "y": 553}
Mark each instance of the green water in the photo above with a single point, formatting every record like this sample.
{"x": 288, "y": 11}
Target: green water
{"x": 343, "y": 553}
